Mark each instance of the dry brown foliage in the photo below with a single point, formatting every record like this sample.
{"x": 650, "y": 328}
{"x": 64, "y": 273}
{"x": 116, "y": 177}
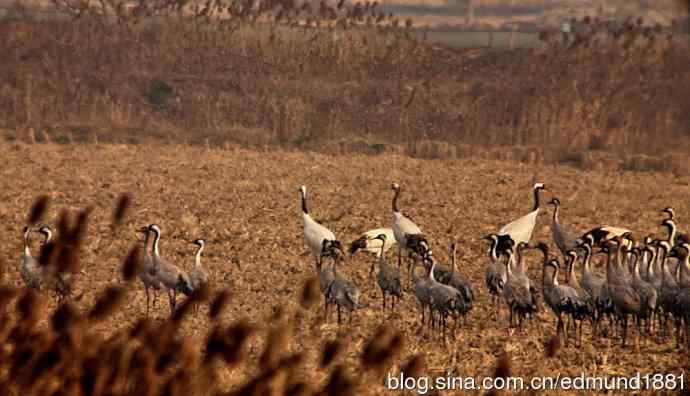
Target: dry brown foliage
{"x": 258, "y": 337}
{"x": 285, "y": 74}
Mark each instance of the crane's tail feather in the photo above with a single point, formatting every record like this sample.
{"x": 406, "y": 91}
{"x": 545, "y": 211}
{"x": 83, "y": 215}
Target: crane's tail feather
{"x": 357, "y": 244}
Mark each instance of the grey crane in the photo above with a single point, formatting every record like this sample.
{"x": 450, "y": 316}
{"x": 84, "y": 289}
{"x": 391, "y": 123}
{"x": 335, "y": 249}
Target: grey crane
{"x": 198, "y": 276}
{"x": 680, "y": 306}
{"x": 326, "y": 275}
{"x": 585, "y": 308}
{"x": 445, "y": 300}
{"x": 594, "y": 285}
{"x": 495, "y": 274}
{"x": 421, "y": 289}
{"x": 147, "y": 273}
{"x": 645, "y": 290}
{"x": 343, "y": 292}
{"x": 520, "y": 301}
{"x": 460, "y": 284}
{"x": 29, "y": 269}
{"x": 172, "y": 278}
{"x": 388, "y": 277}
{"x": 623, "y": 297}
{"x": 564, "y": 238}
{"x": 61, "y": 282}
{"x": 650, "y": 273}
{"x": 560, "y": 298}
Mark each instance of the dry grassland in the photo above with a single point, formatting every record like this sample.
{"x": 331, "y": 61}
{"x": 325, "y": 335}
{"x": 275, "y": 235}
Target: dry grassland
{"x": 245, "y": 203}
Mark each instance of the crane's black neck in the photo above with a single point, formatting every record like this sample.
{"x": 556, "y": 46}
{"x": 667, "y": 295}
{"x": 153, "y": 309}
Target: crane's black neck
{"x": 536, "y": 198}
{"x": 305, "y": 210}
{"x": 671, "y": 225}
{"x": 395, "y": 200}
{"x": 156, "y": 238}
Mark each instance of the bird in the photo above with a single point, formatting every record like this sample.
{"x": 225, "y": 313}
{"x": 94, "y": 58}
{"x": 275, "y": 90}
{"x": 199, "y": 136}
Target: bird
{"x": 326, "y": 275}
{"x": 675, "y": 237}
{"x": 520, "y": 230}
{"x": 315, "y": 233}
{"x": 198, "y": 276}
{"x": 585, "y": 308}
{"x": 519, "y": 299}
{"x": 61, "y": 282}
{"x": 343, "y": 292}
{"x": 388, "y": 277}
{"x": 444, "y": 299}
{"x": 172, "y": 278}
{"x": 147, "y": 273}
{"x": 368, "y": 242}
{"x": 407, "y": 235}
{"x": 421, "y": 287}
{"x": 604, "y": 233}
{"x": 495, "y": 273}
{"x": 623, "y": 297}
{"x": 458, "y": 283}
{"x": 670, "y": 212}
{"x": 645, "y": 290}
{"x": 564, "y": 238}
{"x": 29, "y": 268}
{"x": 592, "y": 284}
{"x": 560, "y": 298}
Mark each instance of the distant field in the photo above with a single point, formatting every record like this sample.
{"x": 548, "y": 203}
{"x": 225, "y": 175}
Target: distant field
{"x": 462, "y": 39}
{"x": 245, "y": 204}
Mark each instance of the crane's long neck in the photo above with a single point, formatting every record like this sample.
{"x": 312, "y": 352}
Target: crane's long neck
{"x": 585, "y": 264}
{"x": 554, "y": 276}
{"x": 492, "y": 250}
{"x": 197, "y": 257}
{"x": 684, "y": 265}
{"x": 431, "y": 271}
{"x": 154, "y": 247}
{"x": 671, "y": 232}
{"x": 27, "y": 243}
{"x": 382, "y": 259}
{"x": 509, "y": 263}
{"x": 303, "y": 196}
{"x": 651, "y": 261}
{"x": 619, "y": 256}
{"x": 520, "y": 266}
{"x": 536, "y": 199}
{"x": 49, "y": 236}
{"x": 556, "y": 208}
{"x": 146, "y": 243}
{"x": 609, "y": 267}
{"x": 395, "y": 200}
{"x": 569, "y": 270}
{"x": 663, "y": 269}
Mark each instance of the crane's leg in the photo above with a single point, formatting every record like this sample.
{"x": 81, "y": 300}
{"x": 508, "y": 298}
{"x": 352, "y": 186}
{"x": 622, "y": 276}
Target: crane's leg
{"x": 338, "y": 313}
{"x": 148, "y": 297}
{"x": 383, "y": 295}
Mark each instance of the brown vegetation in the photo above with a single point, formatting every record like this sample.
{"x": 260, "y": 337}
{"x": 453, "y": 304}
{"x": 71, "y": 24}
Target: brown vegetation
{"x": 272, "y": 78}
{"x": 265, "y": 327}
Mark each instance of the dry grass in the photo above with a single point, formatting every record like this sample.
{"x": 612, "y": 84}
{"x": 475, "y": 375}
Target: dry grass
{"x": 264, "y": 81}
{"x": 245, "y": 204}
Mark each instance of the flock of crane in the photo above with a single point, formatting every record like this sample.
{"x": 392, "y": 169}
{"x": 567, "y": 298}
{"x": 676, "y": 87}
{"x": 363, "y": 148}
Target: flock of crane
{"x": 647, "y": 280}
{"x": 156, "y": 273}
